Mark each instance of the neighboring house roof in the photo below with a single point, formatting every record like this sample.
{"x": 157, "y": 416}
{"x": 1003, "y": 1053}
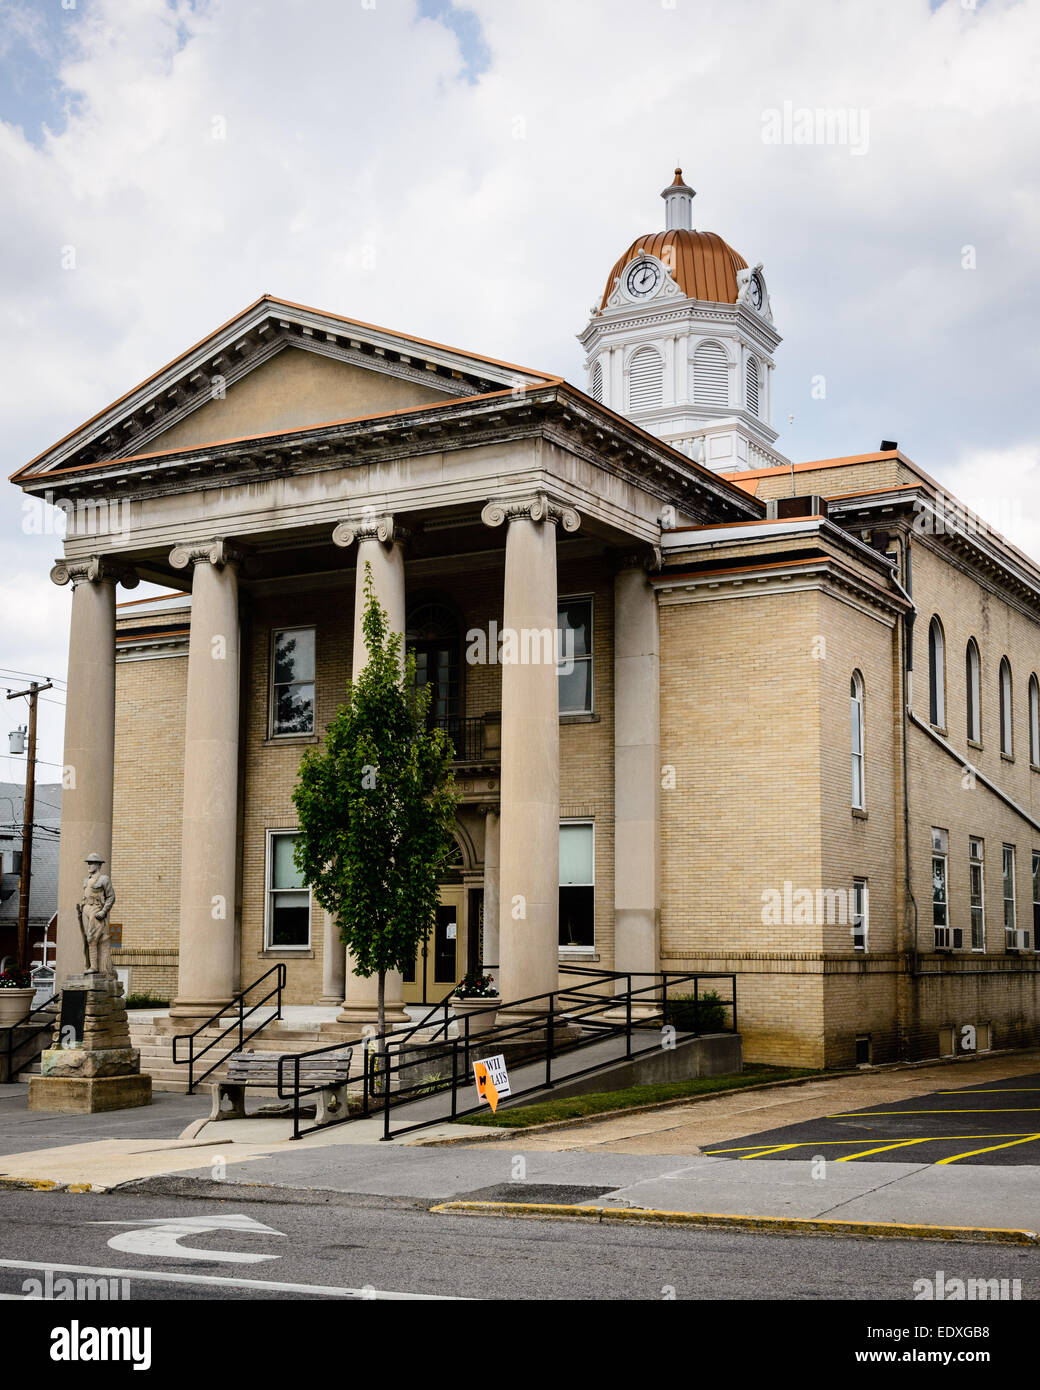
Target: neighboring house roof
{"x": 43, "y": 896}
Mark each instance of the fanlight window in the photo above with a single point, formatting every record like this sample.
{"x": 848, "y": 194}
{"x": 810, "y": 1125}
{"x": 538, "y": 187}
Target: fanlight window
{"x": 645, "y": 379}
{"x": 710, "y": 375}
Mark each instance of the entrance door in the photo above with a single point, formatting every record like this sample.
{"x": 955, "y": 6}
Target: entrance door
{"x": 441, "y": 961}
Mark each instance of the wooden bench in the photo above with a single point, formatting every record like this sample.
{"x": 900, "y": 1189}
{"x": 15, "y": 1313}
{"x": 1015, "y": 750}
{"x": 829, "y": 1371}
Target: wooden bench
{"x": 329, "y": 1071}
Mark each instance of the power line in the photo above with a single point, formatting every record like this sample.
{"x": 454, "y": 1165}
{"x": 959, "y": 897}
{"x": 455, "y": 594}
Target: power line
{"x": 10, "y": 671}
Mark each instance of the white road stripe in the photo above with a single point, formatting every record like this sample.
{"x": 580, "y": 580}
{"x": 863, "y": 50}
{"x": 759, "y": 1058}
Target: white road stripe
{"x": 325, "y": 1290}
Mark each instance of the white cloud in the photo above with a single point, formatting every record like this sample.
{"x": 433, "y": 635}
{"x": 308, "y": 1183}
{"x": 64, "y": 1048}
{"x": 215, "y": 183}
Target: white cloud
{"x": 361, "y": 173}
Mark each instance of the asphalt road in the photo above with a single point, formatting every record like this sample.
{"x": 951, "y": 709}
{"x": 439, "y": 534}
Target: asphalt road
{"x": 354, "y": 1247}
{"x": 995, "y": 1124}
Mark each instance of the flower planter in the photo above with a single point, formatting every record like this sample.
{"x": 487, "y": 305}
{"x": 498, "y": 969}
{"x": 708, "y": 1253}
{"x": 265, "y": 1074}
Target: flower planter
{"x": 14, "y": 1005}
{"x": 481, "y": 1012}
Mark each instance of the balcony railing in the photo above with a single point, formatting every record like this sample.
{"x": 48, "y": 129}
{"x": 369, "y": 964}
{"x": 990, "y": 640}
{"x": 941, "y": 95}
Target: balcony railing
{"x": 476, "y": 740}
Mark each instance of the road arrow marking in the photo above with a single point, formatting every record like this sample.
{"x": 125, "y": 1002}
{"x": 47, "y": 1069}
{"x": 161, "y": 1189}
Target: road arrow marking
{"x": 162, "y": 1236}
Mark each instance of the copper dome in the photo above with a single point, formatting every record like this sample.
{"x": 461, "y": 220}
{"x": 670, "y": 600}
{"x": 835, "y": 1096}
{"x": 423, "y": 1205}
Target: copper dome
{"x": 702, "y": 264}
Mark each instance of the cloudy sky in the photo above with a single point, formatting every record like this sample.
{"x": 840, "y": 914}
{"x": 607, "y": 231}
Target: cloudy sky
{"x": 470, "y": 173}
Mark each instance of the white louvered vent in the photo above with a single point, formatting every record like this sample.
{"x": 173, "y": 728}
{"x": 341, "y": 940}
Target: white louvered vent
{"x": 596, "y": 387}
{"x": 710, "y": 375}
{"x": 645, "y": 379}
{"x": 752, "y": 386}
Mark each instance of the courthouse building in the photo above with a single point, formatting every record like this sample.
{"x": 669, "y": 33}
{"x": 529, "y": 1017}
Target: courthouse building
{"x": 796, "y": 736}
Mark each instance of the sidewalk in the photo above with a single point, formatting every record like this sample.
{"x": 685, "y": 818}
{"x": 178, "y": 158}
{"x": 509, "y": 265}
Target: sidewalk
{"x": 648, "y": 1161}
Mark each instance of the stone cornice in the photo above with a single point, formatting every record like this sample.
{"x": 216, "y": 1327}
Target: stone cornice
{"x": 93, "y": 569}
{"x": 571, "y": 420}
{"x": 537, "y": 508}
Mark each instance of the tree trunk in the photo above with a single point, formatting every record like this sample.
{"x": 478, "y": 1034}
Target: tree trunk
{"x": 381, "y": 1008}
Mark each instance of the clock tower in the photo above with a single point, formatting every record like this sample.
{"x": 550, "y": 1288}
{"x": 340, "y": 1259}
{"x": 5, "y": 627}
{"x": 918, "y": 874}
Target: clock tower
{"x": 682, "y": 342}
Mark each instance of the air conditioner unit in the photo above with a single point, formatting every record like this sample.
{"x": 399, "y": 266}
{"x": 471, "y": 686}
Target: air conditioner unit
{"x": 1016, "y": 940}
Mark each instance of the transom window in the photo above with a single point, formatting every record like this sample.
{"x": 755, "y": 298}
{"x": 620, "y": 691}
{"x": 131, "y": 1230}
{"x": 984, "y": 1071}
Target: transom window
{"x": 288, "y": 923}
{"x": 574, "y": 657}
{"x": 577, "y": 886}
{"x": 292, "y": 681}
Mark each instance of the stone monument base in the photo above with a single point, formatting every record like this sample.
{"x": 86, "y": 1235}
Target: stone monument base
{"x": 86, "y": 1095}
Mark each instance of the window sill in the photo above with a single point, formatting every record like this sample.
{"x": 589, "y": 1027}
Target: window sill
{"x": 579, "y": 718}
{"x": 277, "y": 952}
{"x": 1034, "y": 767}
{"x": 1007, "y": 757}
{"x": 288, "y": 740}
{"x": 858, "y": 813}
{"x": 578, "y": 954}
{"x": 939, "y": 729}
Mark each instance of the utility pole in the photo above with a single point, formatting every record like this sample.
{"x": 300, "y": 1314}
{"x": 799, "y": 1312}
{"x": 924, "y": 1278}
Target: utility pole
{"x": 28, "y": 813}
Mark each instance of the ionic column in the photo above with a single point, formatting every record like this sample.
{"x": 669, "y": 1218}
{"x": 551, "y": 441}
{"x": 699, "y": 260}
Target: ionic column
{"x": 530, "y": 798}
{"x": 90, "y": 735}
{"x": 379, "y": 546}
{"x": 637, "y": 740}
{"x": 208, "y": 967}
{"x": 492, "y": 841}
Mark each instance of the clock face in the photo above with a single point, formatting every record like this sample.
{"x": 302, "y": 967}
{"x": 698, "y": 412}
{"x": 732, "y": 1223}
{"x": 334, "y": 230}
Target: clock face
{"x": 642, "y": 279}
{"x": 755, "y": 291}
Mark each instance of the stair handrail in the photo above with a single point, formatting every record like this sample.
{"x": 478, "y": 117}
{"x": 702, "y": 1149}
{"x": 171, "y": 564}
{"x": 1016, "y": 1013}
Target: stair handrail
{"x": 12, "y": 1028}
{"x": 243, "y": 1013}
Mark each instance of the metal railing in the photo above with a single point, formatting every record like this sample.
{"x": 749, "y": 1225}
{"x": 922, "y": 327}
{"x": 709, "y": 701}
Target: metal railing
{"x": 467, "y": 735}
{"x": 547, "y": 1034}
{"x": 33, "y": 1030}
{"x": 238, "y": 1025}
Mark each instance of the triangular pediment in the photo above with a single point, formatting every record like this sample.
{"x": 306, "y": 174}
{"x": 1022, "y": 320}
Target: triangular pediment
{"x": 274, "y": 368}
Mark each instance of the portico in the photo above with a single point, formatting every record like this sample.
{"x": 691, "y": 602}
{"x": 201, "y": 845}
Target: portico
{"x": 502, "y": 491}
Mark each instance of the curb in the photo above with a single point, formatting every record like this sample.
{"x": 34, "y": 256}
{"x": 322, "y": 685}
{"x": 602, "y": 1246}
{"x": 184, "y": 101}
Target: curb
{"x": 789, "y": 1225}
{"x": 45, "y": 1185}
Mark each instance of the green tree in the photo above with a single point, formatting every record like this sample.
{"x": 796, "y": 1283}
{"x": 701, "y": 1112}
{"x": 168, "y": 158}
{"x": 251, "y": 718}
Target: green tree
{"x": 376, "y": 806}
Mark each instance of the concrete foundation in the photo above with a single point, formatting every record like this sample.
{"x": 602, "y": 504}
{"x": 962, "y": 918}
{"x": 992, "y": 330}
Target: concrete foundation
{"x": 87, "y": 1095}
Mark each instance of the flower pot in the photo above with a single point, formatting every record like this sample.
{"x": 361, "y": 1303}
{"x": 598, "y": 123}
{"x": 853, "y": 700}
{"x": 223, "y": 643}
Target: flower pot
{"x": 14, "y": 1005}
{"x": 480, "y": 1010}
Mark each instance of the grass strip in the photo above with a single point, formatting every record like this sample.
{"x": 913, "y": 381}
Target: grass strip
{"x": 577, "y": 1107}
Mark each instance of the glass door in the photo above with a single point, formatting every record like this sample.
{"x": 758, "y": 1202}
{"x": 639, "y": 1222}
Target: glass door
{"x": 441, "y": 960}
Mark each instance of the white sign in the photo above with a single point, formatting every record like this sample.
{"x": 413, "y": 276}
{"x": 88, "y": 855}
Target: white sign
{"x": 492, "y": 1079}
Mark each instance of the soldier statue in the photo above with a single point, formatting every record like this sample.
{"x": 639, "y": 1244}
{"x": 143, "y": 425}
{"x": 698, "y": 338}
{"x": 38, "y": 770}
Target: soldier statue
{"x": 92, "y": 911}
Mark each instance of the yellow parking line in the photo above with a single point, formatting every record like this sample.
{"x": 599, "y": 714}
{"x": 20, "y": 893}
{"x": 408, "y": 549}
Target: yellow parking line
{"x": 986, "y": 1091}
{"x": 899, "y": 1144}
{"x": 891, "y": 1114}
{"x": 757, "y": 1151}
{"x": 992, "y": 1149}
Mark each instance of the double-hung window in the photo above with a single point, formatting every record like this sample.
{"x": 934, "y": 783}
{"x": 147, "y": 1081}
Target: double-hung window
{"x": 859, "y": 795}
{"x": 860, "y": 914}
{"x": 1008, "y": 878}
{"x": 940, "y": 889}
{"x": 292, "y": 681}
{"x": 288, "y": 924}
{"x": 574, "y": 655}
{"x": 577, "y": 886}
{"x": 977, "y": 892}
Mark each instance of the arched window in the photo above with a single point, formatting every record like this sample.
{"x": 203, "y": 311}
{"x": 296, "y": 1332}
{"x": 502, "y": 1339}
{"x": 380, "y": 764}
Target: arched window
{"x": 596, "y": 387}
{"x": 856, "y": 713}
{"x": 752, "y": 385}
{"x": 1007, "y": 737}
{"x": 973, "y": 690}
{"x": 645, "y": 379}
{"x": 710, "y": 375}
{"x": 936, "y": 675}
{"x": 1034, "y": 720}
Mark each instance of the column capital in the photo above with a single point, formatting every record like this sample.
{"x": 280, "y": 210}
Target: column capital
{"x": 538, "y": 507}
{"x": 218, "y": 552}
{"x": 648, "y": 557}
{"x": 94, "y": 569}
{"x": 369, "y": 528}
